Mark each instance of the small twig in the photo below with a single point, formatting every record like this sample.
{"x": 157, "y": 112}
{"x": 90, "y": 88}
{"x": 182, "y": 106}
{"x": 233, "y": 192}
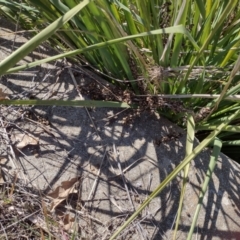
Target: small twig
{"x": 11, "y": 225}
{"x": 116, "y": 156}
{"x": 13, "y": 186}
{"x": 81, "y": 97}
{"x": 13, "y": 162}
{"x": 51, "y": 92}
{"x": 125, "y": 169}
{"x": 7, "y": 138}
{"x": 96, "y": 179}
{"x": 41, "y": 126}
{"x": 21, "y": 190}
{"x": 113, "y": 116}
{"x": 4, "y": 231}
{"x": 85, "y": 215}
{"x": 105, "y": 75}
{"x": 25, "y": 132}
{"x": 113, "y": 201}
{"x": 99, "y": 80}
{"x": 135, "y": 225}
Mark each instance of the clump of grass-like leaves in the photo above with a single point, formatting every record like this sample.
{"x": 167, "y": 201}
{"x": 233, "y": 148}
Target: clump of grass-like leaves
{"x": 194, "y": 54}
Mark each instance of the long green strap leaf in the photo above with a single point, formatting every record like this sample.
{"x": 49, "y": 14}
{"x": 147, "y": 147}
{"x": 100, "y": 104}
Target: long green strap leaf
{"x": 30, "y": 45}
{"x": 189, "y": 147}
{"x": 213, "y": 160}
{"x": 229, "y": 128}
{"x": 69, "y": 103}
{"x": 175, "y": 29}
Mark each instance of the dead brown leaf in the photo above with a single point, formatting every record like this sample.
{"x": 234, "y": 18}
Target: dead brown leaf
{"x": 22, "y": 140}
{"x": 68, "y": 223}
{"x": 62, "y": 192}
{"x": 2, "y": 94}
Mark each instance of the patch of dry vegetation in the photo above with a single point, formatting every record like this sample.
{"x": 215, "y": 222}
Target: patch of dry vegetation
{"x": 26, "y": 213}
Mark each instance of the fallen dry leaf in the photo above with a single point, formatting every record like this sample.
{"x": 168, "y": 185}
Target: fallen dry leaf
{"x": 68, "y": 223}
{"x": 2, "y": 94}
{"x": 22, "y": 140}
{"x": 62, "y": 192}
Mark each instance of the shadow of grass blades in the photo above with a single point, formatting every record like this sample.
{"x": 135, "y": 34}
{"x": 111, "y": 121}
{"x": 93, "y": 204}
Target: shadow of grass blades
{"x": 209, "y": 139}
